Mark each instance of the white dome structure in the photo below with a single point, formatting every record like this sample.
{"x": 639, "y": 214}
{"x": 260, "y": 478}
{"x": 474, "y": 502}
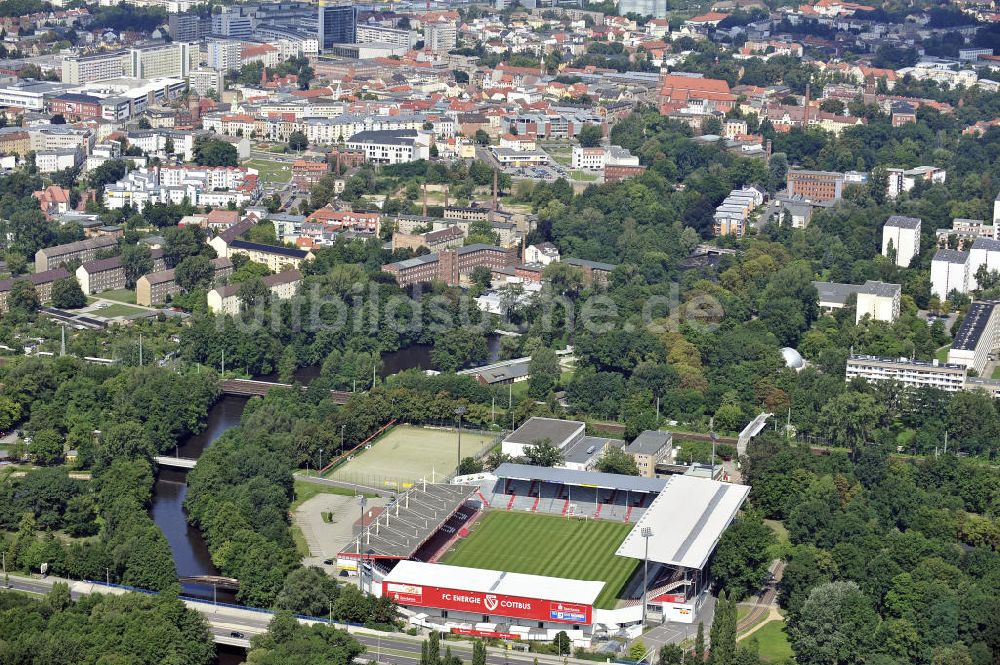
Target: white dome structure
{"x": 793, "y": 359}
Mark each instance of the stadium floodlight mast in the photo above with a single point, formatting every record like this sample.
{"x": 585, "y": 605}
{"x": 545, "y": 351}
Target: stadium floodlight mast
{"x": 459, "y": 411}
{"x": 646, "y": 533}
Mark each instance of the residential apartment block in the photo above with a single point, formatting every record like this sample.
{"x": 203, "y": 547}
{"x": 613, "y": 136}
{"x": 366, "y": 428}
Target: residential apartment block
{"x": 82, "y": 250}
{"x": 226, "y": 299}
{"x": 42, "y": 281}
{"x": 156, "y": 287}
{"x": 902, "y": 234}
{"x": 649, "y": 449}
{"x": 879, "y": 301}
{"x": 978, "y": 337}
{"x": 276, "y": 257}
{"x": 910, "y": 373}
{"x": 107, "y": 274}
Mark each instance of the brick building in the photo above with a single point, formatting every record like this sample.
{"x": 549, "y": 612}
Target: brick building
{"x": 449, "y": 265}
{"x": 818, "y": 186}
{"x": 305, "y": 174}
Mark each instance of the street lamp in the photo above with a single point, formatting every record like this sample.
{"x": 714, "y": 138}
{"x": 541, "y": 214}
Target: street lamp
{"x": 646, "y": 533}
{"x": 320, "y": 461}
{"x": 459, "y": 411}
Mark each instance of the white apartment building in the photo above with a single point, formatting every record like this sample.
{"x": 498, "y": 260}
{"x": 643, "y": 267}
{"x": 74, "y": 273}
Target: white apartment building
{"x": 440, "y": 37}
{"x": 161, "y": 60}
{"x": 223, "y": 55}
{"x": 391, "y": 146}
{"x": 50, "y": 161}
{"x": 203, "y": 80}
{"x": 903, "y": 180}
{"x": 978, "y": 336}
{"x": 379, "y": 34}
{"x": 29, "y": 95}
{"x": 879, "y": 300}
{"x": 97, "y": 67}
{"x": 984, "y": 252}
{"x": 903, "y": 234}
{"x": 588, "y": 159}
{"x": 949, "y": 272}
{"x": 232, "y": 25}
{"x": 910, "y": 373}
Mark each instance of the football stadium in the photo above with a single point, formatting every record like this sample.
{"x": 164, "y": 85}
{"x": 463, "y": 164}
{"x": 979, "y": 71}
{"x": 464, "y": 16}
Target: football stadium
{"x": 525, "y": 551}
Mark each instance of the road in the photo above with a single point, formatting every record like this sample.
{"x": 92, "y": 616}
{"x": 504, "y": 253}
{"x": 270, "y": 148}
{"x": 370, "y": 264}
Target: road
{"x": 392, "y": 648}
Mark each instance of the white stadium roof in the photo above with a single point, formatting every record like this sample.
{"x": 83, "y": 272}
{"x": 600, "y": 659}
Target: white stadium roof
{"x": 495, "y": 581}
{"x": 687, "y": 519}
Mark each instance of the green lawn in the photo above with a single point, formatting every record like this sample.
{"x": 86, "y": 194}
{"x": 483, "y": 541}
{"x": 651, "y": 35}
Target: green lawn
{"x": 773, "y": 642}
{"x": 126, "y": 296}
{"x": 582, "y": 176}
{"x": 942, "y": 353}
{"x": 119, "y": 310}
{"x": 271, "y": 172}
{"x": 549, "y": 545}
{"x": 995, "y": 374}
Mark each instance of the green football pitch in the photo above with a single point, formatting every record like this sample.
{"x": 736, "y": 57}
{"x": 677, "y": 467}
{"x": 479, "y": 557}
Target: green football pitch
{"x": 549, "y": 545}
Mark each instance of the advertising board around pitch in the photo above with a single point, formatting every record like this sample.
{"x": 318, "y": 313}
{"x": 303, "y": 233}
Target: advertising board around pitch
{"x": 496, "y": 604}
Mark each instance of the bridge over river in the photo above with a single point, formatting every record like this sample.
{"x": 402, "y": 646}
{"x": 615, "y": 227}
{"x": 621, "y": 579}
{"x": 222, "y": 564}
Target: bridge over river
{"x": 251, "y": 388}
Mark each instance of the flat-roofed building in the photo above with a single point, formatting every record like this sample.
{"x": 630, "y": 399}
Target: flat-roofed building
{"x": 649, "y": 449}
{"x": 902, "y": 236}
{"x": 81, "y": 250}
{"x": 450, "y": 265}
{"x": 949, "y": 272}
{"x": 878, "y": 300}
{"x": 910, "y": 373}
{"x": 977, "y": 338}
{"x": 559, "y": 433}
{"x": 97, "y": 67}
{"x": 820, "y": 186}
{"x": 594, "y": 272}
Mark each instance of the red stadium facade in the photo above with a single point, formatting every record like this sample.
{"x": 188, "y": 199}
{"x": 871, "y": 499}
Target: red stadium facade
{"x": 515, "y": 607}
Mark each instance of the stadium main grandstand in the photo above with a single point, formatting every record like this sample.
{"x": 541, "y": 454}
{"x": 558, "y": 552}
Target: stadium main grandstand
{"x": 526, "y": 551}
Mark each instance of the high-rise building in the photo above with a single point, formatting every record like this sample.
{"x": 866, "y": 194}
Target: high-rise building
{"x": 203, "y": 80}
{"x": 184, "y": 27}
{"x": 232, "y": 24}
{"x": 440, "y": 37}
{"x": 224, "y": 55}
{"x": 337, "y": 25}
{"x": 161, "y": 60}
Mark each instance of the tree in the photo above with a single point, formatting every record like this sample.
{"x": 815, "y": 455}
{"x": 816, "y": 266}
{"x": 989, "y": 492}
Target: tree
{"x": 469, "y": 465}
{"x": 637, "y": 651}
{"x": 10, "y": 413}
{"x": 562, "y": 643}
{"x": 544, "y": 372}
{"x": 194, "y": 272}
{"x": 837, "y": 626}
{"x": 723, "y": 632}
{"x": 110, "y": 171}
{"x": 181, "y": 242}
{"x": 590, "y": 136}
{"x": 457, "y": 348}
{"x": 215, "y": 152}
{"x": 297, "y": 141}
{"x": 23, "y": 298}
{"x": 253, "y": 292}
{"x": 742, "y": 556}
{"x": 711, "y": 125}
{"x": 307, "y": 591}
{"x": 849, "y": 418}
{"x": 542, "y": 453}
{"x": 137, "y": 261}
{"x": 16, "y": 263}
{"x": 481, "y": 137}
{"x": 670, "y": 654}
{"x": 478, "y": 653}
{"x": 67, "y": 294}
{"x": 616, "y": 460}
{"x": 46, "y": 447}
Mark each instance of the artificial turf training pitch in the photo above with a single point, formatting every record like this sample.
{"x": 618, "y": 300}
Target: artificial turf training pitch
{"x": 574, "y": 548}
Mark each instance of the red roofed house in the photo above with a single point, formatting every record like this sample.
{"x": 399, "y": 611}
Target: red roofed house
{"x": 679, "y": 92}
{"x": 222, "y": 219}
{"x": 711, "y": 19}
{"x": 54, "y": 200}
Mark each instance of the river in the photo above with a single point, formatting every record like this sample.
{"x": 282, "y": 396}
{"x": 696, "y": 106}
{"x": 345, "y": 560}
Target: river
{"x": 191, "y": 555}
